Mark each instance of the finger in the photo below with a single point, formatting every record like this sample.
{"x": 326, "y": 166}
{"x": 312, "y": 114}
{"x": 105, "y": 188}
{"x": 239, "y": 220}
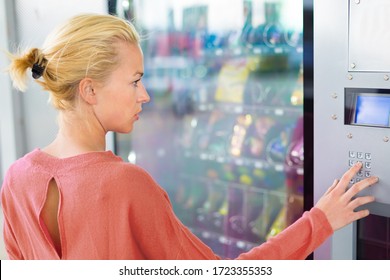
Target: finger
{"x": 359, "y": 201}
{"x": 358, "y": 187}
{"x": 335, "y": 182}
{"x": 360, "y": 214}
{"x": 347, "y": 177}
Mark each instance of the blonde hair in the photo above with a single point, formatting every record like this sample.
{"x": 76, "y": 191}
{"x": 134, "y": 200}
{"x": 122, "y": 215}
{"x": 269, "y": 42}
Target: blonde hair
{"x": 84, "y": 46}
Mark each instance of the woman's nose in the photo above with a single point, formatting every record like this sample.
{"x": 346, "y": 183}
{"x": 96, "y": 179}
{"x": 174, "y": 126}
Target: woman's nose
{"x": 144, "y": 96}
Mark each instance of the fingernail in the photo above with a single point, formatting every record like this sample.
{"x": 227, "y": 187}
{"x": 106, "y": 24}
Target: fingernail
{"x": 359, "y": 164}
{"x": 376, "y": 181}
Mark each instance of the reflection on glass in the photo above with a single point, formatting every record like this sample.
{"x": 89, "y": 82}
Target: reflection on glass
{"x": 223, "y": 133}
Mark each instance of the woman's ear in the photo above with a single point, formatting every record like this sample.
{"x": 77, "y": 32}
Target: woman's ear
{"x": 86, "y": 91}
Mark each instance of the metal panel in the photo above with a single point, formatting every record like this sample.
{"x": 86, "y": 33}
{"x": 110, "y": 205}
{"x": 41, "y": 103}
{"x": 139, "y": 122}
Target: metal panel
{"x": 332, "y": 138}
{"x": 369, "y": 39}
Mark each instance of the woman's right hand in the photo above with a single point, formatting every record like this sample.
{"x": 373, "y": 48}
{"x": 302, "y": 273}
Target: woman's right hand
{"x": 339, "y": 202}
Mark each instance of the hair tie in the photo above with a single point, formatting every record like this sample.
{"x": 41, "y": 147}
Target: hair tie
{"x": 37, "y": 71}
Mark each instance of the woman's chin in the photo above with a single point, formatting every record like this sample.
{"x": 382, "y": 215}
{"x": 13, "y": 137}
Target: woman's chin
{"x": 124, "y": 130}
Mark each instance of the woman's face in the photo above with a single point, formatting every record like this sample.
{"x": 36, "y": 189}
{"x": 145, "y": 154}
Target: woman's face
{"x": 120, "y": 98}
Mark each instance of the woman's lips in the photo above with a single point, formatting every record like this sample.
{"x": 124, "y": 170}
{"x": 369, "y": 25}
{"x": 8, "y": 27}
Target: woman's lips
{"x": 136, "y": 116}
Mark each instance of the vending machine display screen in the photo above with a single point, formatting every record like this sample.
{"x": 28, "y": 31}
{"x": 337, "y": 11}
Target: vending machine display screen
{"x": 367, "y": 107}
{"x": 372, "y": 110}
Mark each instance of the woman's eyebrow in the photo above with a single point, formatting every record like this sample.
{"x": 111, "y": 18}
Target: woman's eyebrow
{"x": 139, "y": 73}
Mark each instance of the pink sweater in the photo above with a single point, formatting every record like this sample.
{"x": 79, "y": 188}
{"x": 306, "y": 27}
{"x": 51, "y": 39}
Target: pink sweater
{"x": 110, "y": 209}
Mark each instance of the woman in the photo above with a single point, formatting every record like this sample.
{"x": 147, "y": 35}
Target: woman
{"x": 74, "y": 200}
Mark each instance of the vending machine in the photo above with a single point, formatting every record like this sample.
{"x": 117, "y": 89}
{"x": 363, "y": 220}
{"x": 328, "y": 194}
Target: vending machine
{"x": 223, "y": 132}
{"x": 352, "y": 116}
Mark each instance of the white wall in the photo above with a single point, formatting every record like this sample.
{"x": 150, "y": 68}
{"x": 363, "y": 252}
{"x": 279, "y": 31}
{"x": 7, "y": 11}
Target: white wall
{"x": 8, "y": 120}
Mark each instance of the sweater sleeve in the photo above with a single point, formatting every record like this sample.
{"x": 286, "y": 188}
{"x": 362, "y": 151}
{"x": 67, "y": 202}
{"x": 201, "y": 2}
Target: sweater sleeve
{"x": 159, "y": 233}
{"x": 10, "y": 242}
{"x": 162, "y": 236}
{"x": 297, "y": 241}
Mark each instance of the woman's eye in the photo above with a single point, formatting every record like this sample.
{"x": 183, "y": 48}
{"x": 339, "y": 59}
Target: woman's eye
{"x": 135, "y": 83}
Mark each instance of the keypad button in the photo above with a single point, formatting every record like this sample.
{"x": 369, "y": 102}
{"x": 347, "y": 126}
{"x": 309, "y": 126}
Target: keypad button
{"x": 365, "y": 159}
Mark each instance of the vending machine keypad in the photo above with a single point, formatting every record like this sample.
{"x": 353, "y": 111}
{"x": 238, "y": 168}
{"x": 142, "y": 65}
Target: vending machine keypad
{"x": 365, "y": 159}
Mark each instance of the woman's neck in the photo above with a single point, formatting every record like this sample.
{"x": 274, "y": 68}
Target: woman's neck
{"x": 77, "y": 135}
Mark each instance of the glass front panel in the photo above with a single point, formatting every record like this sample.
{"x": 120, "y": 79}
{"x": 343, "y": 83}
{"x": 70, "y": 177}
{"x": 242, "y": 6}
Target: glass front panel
{"x": 223, "y": 132}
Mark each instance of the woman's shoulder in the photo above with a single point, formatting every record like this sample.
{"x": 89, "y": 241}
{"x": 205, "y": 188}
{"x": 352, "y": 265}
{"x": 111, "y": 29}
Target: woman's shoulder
{"x": 133, "y": 174}
{"x": 19, "y": 171}
{"x": 21, "y": 163}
